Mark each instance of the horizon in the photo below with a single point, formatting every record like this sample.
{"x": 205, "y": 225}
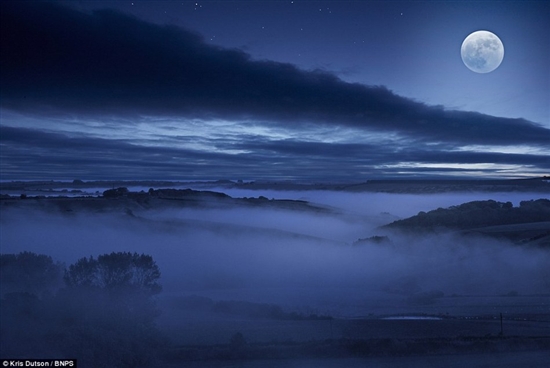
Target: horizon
{"x": 78, "y": 181}
{"x": 404, "y": 179}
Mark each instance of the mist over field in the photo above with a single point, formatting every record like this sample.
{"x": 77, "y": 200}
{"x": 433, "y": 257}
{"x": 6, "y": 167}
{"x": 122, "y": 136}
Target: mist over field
{"x": 261, "y": 271}
{"x": 267, "y": 255}
{"x": 374, "y": 203}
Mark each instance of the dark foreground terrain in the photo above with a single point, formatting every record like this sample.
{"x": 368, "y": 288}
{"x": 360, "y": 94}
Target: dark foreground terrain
{"x": 536, "y": 359}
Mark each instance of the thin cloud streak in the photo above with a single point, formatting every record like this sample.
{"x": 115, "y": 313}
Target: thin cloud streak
{"x": 28, "y": 152}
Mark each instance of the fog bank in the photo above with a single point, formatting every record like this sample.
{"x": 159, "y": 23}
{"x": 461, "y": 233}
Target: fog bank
{"x": 293, "y": 258}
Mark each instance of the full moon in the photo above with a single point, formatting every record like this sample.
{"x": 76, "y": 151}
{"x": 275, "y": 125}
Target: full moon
{"x": 482, "y": 51}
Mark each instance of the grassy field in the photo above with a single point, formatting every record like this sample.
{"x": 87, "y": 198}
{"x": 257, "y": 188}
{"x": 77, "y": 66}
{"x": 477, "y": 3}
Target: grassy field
{"x": 536, "y": 359}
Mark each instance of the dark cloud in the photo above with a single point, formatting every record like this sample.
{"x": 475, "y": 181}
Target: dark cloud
{"x": 104, "y": 63}
{"x": 33, "y": 154}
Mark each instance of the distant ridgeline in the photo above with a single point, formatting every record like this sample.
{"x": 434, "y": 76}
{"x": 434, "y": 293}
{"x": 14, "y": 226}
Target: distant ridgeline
{"x": 478, "y": 214}
{"x": 164, "y": 193}
{"x": 529, "y": 221}
{"x": 123, "y": 199}
{"x": 533, "y": 185}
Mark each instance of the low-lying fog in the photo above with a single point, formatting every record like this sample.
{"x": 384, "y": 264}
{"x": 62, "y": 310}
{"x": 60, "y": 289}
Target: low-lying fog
{"x": 368, "y": 203}
{"x": 294, "y": 259}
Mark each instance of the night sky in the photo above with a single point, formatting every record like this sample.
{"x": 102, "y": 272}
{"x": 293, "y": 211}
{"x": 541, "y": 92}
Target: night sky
{"x": 274, "y": 90}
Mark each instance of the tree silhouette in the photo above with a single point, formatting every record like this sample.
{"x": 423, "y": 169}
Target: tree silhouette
{"x": 110, "y": 303}
{"x": 118, "y": 272}
{"x": 104, "y": 315}
{"x": 29, "y": 272}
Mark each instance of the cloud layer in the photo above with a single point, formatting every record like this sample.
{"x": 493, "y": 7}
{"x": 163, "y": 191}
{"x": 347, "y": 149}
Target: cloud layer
{"x": 32, "y": 154}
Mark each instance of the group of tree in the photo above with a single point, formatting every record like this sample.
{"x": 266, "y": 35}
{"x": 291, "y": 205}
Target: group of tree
{"x": 99, "y": 310}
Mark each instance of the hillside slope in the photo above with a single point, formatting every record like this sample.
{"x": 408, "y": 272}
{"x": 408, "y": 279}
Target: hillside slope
{"x": 529, "y": 222}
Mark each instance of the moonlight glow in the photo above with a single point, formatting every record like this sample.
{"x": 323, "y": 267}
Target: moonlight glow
{"x": 482, "y": 52}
